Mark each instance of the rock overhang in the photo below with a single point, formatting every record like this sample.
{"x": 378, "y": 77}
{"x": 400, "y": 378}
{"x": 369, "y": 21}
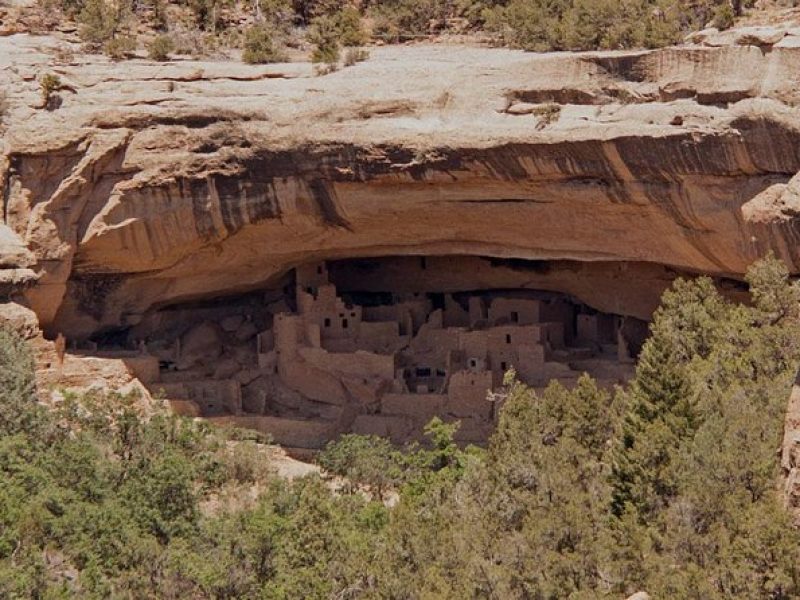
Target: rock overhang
{"x": 154, "y": 185}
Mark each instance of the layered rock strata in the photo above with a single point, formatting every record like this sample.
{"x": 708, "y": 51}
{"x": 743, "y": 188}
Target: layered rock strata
{"x": 139, "y": 187}
{"x": 157, "y": 184}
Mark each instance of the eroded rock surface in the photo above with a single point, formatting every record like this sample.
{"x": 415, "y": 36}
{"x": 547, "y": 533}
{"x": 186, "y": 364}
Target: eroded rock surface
{"x": 159, "y": 183}
{"x": 602, "y": 176}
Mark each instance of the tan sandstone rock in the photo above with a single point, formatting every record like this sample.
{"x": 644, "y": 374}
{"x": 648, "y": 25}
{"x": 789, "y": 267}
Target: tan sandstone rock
{"x": 20, "y": 319}
{"x": 159, "y": 183}
{"x": 201, "y": 343}
{"x": 13, "y": 252}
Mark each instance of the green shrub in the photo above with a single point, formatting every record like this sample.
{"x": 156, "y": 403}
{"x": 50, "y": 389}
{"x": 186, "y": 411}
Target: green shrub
{"x": 355, "y": 55}
{"x": 369, "y": 461}
{"x": 195, "y": 43}
{"x": 276, "y": 13}
{"x": 99, "y": 20}
{"x": 400, "y": 20}
{"x": 18, "y": 407}
{"x": 4, "y": 104}
{"x": 544, "y": 25}
{"x": 159, "y": 8}
{"x": 324, "y": 34}
{"x": 260, "y": 46}
{"x": 308, "y": 10}
{"x": 160, "y": 48}
{"x": 325, "y": 68}
{"x": 247, "y": 463}
{"x": 48, "y": 85}
{"x": 329, "y": 32}
{"x": 64, "y": 55}
{"x": 69, "y": 7}
{"x": 527, "y": 25}
{"x": 473, "y": 10}
{"x": 547, "y": 113}
{"x": 724, "y": 17}
{"x": 660, "y": 32}
{"x": 205, "y": 13}
{"x": 120, "y": 47}
{"x": 348, "y": 23}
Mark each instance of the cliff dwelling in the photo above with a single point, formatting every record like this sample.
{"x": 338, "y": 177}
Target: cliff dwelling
{"x": 394, "y": 260}
{"x": 373, "y": 346}
{"x": 232, "y": 233}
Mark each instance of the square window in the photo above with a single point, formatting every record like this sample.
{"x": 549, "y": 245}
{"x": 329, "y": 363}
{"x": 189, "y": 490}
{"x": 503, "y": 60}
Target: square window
{"x": 344, "y": 323}
{"x": 327, "y": 322}
{"x": 508, "y": 338}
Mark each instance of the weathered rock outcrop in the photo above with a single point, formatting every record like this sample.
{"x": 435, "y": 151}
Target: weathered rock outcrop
{"x": 15, "y": 259}
{"x": 608, "y": 173}
{"x": 153, "y": 184}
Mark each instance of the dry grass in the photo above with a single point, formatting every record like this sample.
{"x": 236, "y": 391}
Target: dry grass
{"x": 355, "y": 55}
{"x": 4, "y": 104}
{"x": 547, "y": 113}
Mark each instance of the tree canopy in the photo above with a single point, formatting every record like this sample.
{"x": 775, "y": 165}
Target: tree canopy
{"x": 668, "y": 485}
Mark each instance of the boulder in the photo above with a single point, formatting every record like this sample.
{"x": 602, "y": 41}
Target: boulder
{"x": 202, "y": 344}
{"x": 226, "y": 368}
{"x": 717, "y": 39}
{"x": 247, "y": 376}
{"x": 699, "y": 37}
{"x": 15, "y": 281}
{"x": 13, "y": 252}
{"x": 759, "y": 36}
{"x": 20, "y": 319}
{"x": 231, "y": 323}
{"x": 778, "y": 202}
{"x": 246, "y": 331}
{"x": 522, "y": 108}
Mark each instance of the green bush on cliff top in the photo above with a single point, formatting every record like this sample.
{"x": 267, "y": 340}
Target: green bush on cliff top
{"x": 537, "y": 25}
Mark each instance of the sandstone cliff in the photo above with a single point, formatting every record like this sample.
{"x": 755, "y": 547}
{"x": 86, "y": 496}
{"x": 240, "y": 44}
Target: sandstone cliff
{"x": 157, "y": 183}
{"x": 143, "y": 185}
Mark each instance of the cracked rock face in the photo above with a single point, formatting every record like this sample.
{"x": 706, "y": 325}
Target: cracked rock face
{"x": 608, "y": 174}
{"x": 154, "y": 184}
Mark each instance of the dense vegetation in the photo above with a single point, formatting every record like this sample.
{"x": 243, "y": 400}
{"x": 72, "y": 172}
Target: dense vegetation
{"x": 543, "y": 25}
{"x": 669, "y": 486}
{"x": 205, "y": 26}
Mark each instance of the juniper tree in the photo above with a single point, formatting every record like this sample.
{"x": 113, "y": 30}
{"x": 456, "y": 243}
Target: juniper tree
{"x": 18, "y": 409}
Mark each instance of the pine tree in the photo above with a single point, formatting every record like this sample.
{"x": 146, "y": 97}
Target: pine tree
{"x": 100, "y": 20}
{"x": 19, "y": 412}
{"x": 661, "y": 402}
